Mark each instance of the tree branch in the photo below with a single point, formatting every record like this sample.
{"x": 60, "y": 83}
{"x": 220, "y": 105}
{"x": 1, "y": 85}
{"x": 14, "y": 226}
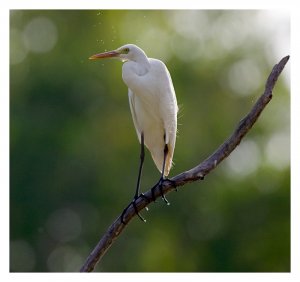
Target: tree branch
{"x": 191, "y": 175}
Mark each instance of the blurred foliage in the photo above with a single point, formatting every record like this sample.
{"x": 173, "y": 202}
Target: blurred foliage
{"x": 74, "y": 152}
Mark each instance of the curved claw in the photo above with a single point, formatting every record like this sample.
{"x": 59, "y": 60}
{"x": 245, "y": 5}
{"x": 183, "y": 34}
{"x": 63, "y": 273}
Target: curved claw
{"x": 159, "y": 184}
{"x": 137, "y": 212}
{"x": 161, "y": 181}
{"x": 135, "y": 209}
{"x": 165, "y": 200}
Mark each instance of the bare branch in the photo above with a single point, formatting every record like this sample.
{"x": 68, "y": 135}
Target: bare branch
{"x": 191, "y": 175}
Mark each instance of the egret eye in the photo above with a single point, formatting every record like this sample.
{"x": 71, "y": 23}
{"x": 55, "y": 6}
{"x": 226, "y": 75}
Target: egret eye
{"x": 125, "y": 50}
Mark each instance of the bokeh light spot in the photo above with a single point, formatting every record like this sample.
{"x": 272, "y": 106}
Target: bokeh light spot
{"x": 278, "y": 150}
{"x": 40, "y": 35}
{"x": 64, "y": 225}
{"x": 64, "y": 259}
{"x": 22, "y": 256}
{"x": 244, "y": 159}
{"x": 244, "y": 77}
{"x": 18, "y": 50}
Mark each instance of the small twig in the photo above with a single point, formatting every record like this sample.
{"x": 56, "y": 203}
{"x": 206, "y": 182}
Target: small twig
{"x": 191, "y": 175}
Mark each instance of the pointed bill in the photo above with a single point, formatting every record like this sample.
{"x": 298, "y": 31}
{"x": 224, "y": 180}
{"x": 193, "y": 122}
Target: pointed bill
{"x": 109, "y": 54}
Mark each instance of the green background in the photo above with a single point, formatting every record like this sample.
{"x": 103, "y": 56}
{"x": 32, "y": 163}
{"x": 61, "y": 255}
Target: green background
{"x": 74, "y": 152}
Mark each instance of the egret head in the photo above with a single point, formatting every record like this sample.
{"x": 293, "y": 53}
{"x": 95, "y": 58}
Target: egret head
{"x": 128, "y": 52}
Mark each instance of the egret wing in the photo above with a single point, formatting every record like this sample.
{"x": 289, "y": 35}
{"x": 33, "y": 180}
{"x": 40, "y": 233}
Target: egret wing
{"x": 131, "y": 97}
{"x": 168, "y": 108}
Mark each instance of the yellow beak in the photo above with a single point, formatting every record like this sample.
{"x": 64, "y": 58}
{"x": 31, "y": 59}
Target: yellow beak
{"x": 109, "y": 54}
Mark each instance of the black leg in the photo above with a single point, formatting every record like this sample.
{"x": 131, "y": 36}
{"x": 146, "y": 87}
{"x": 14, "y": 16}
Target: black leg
{"x": 161, "y": 180}
{"x": 137, "y": 191}
{"x": 142, "y": 158}
{"x": 166, "y": 150}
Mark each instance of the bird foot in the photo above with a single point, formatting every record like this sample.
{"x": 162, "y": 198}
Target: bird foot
{"x": 133, "y": 202}
{"x": 159, "y": 185}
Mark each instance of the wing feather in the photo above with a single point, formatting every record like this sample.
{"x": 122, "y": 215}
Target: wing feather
{"x": 133, "y": 113}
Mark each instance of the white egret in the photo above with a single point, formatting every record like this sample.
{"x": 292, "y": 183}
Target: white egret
{"x": 153, "y": 107}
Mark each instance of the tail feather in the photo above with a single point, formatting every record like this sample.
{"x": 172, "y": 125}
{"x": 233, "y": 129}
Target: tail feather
{"x": 158, "y": 158}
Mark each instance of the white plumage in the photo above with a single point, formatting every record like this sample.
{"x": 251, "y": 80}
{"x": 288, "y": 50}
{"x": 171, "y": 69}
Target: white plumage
{"x": 152, "y": 101}
{"x": 153, "y": 106}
